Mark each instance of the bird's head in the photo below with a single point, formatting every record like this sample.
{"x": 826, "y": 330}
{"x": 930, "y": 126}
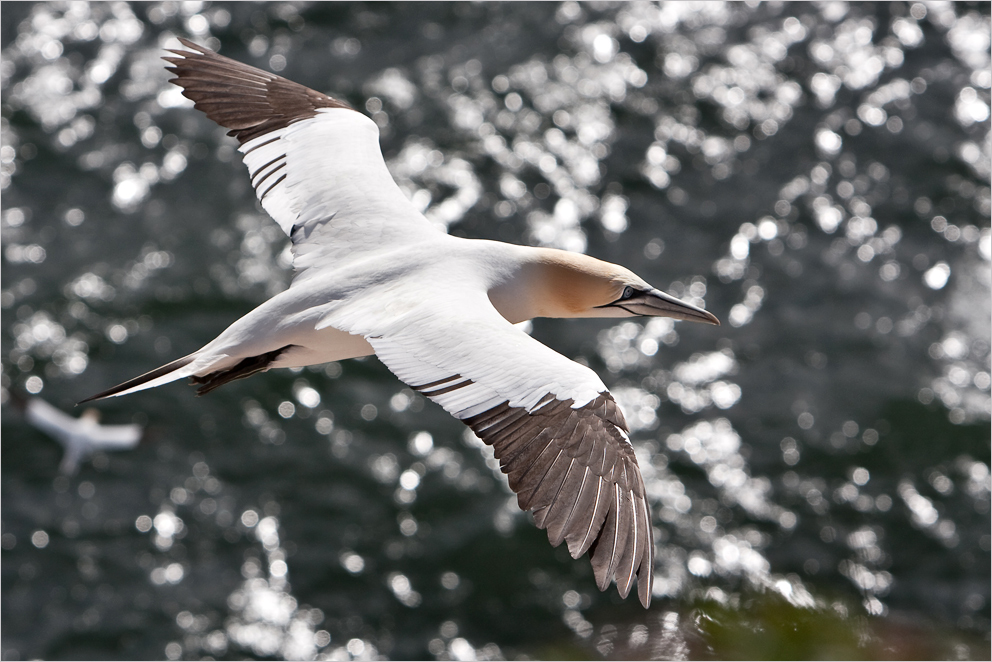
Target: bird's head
{"x": 576, "y": 285}
{"x": 91, "y": 415}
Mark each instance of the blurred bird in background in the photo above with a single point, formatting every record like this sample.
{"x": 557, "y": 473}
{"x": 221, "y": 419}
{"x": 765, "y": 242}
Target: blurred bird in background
{"x": 80, "y": 437}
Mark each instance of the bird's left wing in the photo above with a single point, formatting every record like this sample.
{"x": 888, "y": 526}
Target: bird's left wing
{"x": 554, "y": 427}
{"x": 314, "y": 162}
{"x": 50, "y": 420}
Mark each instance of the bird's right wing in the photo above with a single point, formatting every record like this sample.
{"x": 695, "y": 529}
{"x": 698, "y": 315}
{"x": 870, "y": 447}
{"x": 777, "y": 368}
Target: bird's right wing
{"x": 314, "y": 162}
{"x": 553, "y": 425}
{"x": 116, "y": 437}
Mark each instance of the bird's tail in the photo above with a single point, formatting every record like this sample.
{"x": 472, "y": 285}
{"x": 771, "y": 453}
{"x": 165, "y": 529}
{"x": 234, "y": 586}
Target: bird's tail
{"x": 70, "y": 461}
{"x": 170, "y": 372}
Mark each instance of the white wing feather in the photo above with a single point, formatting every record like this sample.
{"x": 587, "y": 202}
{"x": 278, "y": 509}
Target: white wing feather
{"x": 447, "y": 334}
{"x": 325, "y": 183}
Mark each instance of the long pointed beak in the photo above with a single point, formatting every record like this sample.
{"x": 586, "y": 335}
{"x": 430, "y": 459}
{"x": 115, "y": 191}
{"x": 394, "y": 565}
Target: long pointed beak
{"x": 656, "y": 303}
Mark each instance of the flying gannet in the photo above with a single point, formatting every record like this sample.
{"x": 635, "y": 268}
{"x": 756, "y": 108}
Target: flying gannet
{"x": 374, "y": 276}
{"x": 80, "y": 437}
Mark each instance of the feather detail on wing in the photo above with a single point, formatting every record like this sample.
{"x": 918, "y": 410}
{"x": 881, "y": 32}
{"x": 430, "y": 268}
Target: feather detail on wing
{"x": 315, "y": 163}
{"x": 556, "y": 430}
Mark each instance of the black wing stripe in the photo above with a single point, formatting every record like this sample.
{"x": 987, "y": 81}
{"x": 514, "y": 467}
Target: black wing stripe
{"x": 253, "y": 175}
{"x": 269, "y": 174}
{"x": 448, "y": 389}
{"x": 261, "y": 144}
{"x": 433, "y": 384}
{"x": 262, "y": 197}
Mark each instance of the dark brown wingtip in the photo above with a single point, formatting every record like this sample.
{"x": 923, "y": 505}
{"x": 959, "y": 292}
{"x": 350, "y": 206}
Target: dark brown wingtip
{"x": 645, "y": 585}
{"x": 195, "y": 46}
{"x": 197, "y": 50}
{"x": 246, "y": 100}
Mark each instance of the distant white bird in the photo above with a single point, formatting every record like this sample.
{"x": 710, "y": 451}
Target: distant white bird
{"x": 373, "y": 275}
{"x": 81, "y": 436}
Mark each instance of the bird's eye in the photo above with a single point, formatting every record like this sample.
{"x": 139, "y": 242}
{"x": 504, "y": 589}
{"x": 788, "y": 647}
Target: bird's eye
{"x": 627, "y": 292}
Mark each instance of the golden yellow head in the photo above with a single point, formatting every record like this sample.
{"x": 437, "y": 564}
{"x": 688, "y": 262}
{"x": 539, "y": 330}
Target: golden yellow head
{"x": 575, "y": 285}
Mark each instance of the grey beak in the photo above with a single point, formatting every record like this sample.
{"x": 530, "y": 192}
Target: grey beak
{"x": 655, "y": 303}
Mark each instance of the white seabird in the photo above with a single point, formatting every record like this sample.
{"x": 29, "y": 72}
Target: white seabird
{"x": 81, "y": 437}
{"x": 374, "y": 276}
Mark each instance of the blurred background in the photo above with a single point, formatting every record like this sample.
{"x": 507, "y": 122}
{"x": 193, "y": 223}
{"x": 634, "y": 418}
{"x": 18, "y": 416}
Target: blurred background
{"x": 816, "y": 174}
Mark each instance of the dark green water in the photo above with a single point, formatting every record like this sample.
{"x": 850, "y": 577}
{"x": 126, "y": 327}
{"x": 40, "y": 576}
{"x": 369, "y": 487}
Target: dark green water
{"x": 818, "y": 466}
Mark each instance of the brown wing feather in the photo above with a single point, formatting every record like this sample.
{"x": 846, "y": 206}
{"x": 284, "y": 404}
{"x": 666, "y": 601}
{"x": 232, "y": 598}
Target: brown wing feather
{"x": 561, "y": 507}
{"x": 576, "y": 470}
{"x": 248, "y": 101}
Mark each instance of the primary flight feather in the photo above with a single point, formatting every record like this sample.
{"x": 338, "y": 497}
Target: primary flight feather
{"x": 374, "y": 276}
